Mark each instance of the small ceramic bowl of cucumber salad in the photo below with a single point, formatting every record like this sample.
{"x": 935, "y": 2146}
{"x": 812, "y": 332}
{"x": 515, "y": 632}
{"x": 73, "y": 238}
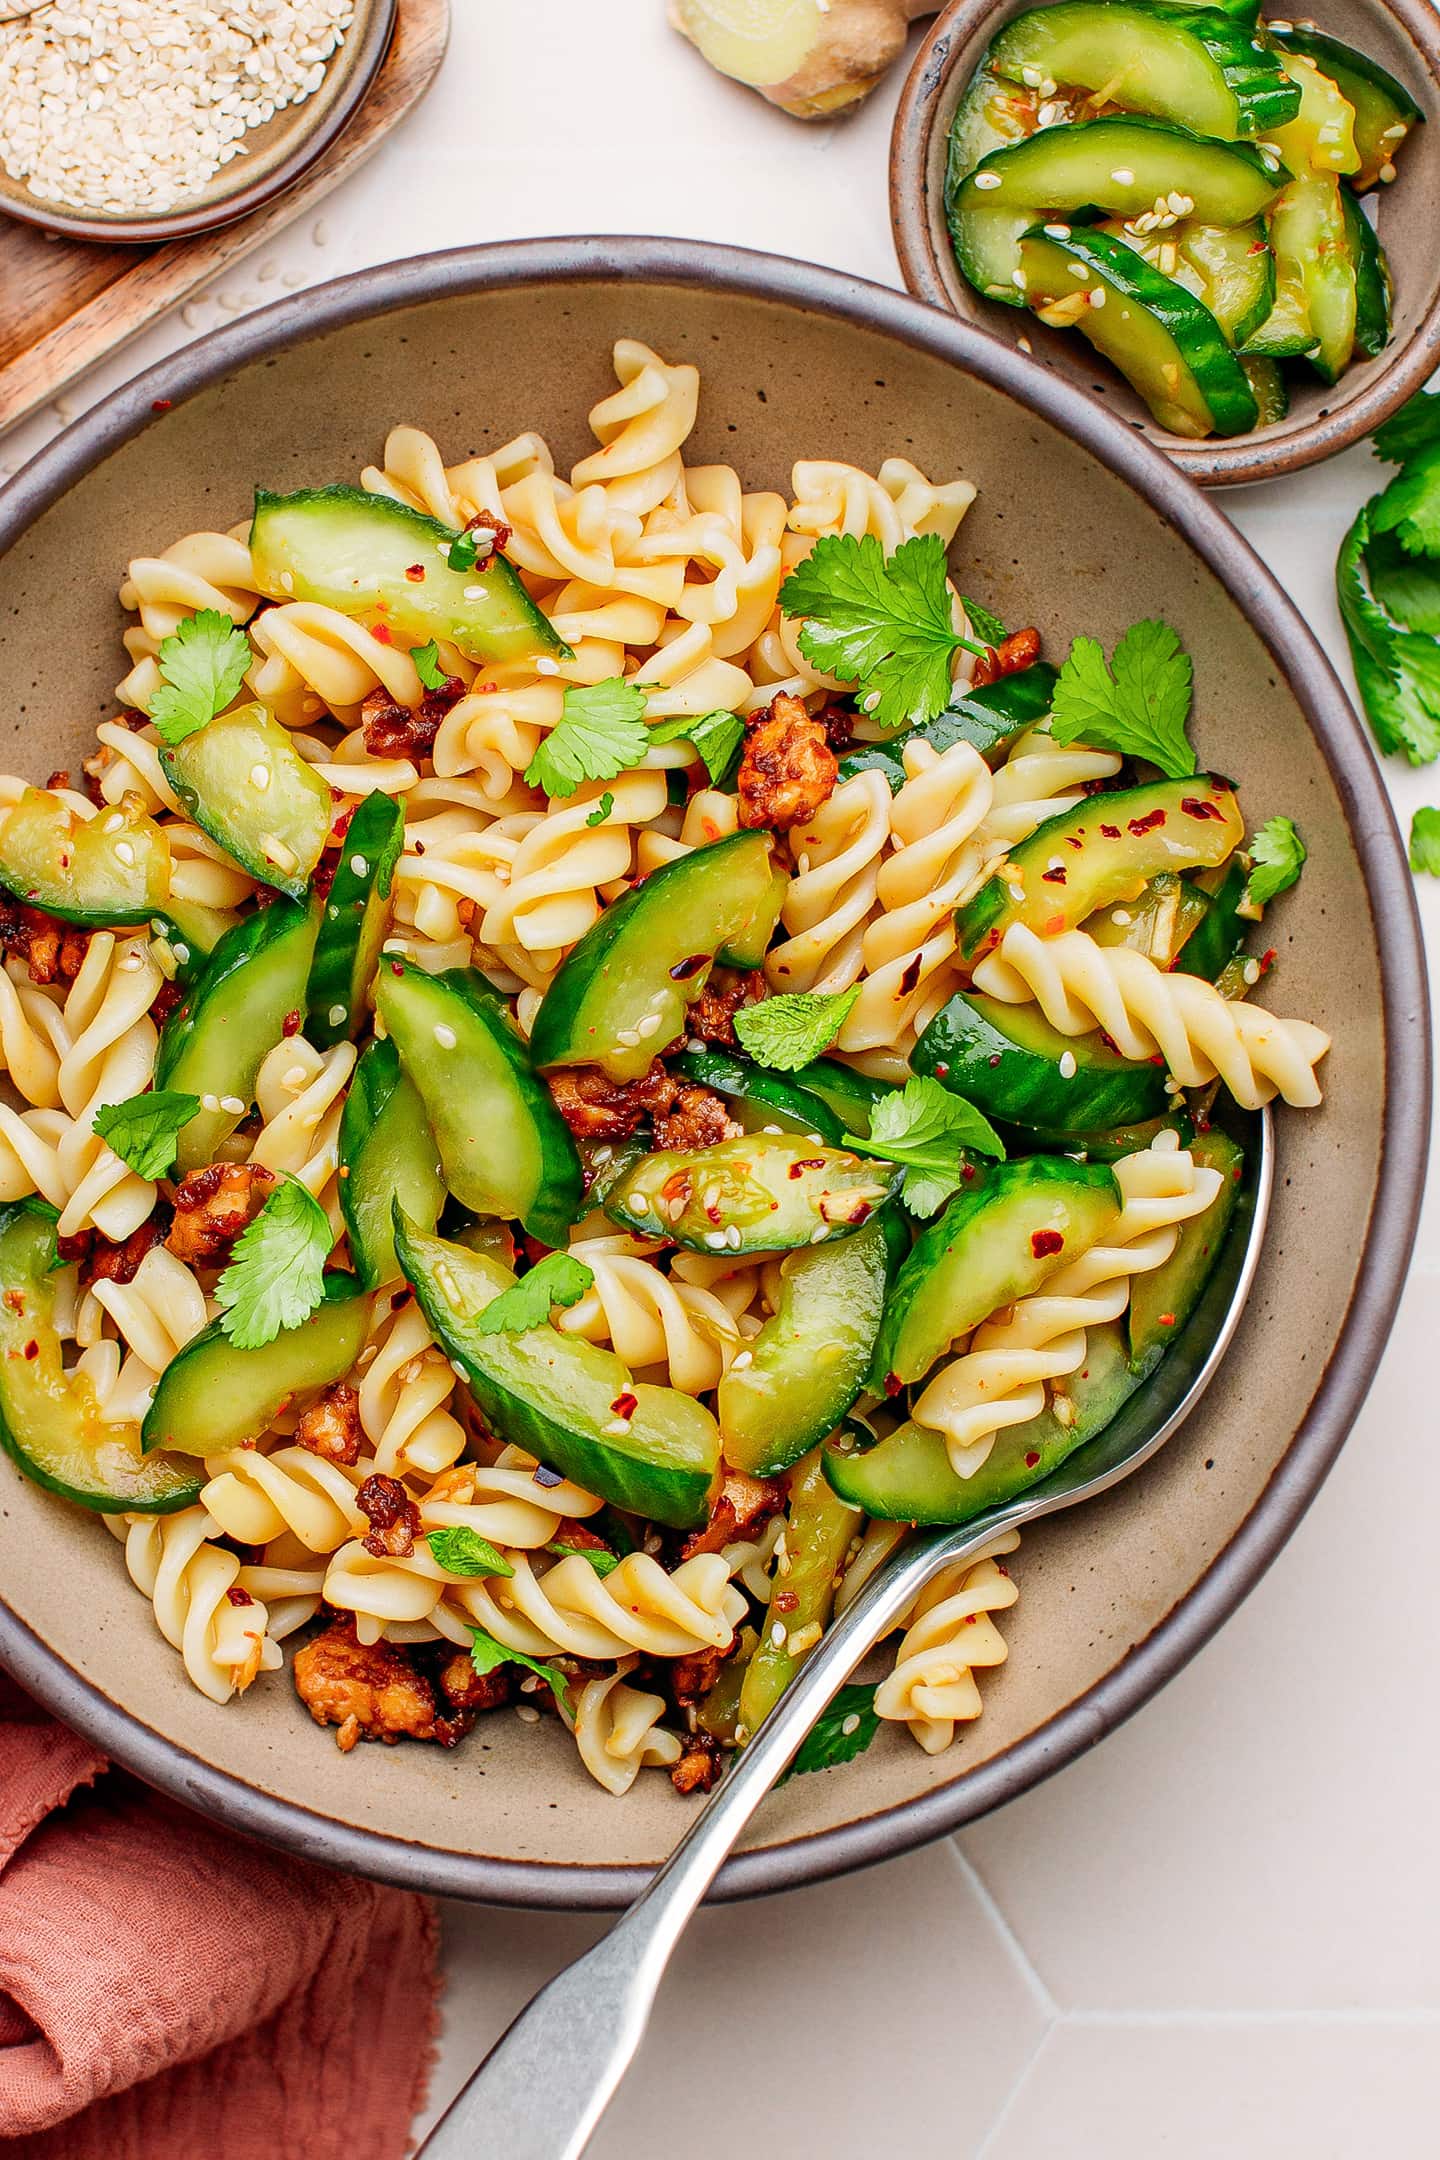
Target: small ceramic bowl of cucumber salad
{"x": 1217, "y": 218}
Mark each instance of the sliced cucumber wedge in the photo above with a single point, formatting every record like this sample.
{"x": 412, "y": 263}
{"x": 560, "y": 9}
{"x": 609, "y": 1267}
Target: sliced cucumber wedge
{"x": 1157, "y": 923}
{"x": 850, "y": 1094}
{"x": 1313, "y": 253}
{"x": 990, "y": 115}
{"x": 103, "y": 872}
{"x": 357, "y": 552}
{"x": 808, "y": 1363}
{"x": 1010, "y": 1062}
{"x": 214, "y": 1044}
{"x": 50, "y": 1422}
{"x": 504, "y": 1148}
{"x": 244, "y": 782}
{"x": 1285, "y": 334}
{"x": 1385, "y": 112}
{"x": 989, "y": 719}
{"x": 1118, "y": 166}
{"x": 354, "y": 921}
{"x": 819, "y": 1530}
{"x": 620, "y": 998}
{"x": 213, "y": 1396}
{"x": 1372, "y": 279}
{"x": 1102, "y": 853}
{"x": 650, "y": 1450}
{"x": 1194, "y": 65}
{"x": 387, "y": 1153}
{"x": 1162, "y": 1301}
{"x": 1235, "y": 266}
{"x": 762, "y": 1193}
{"x": 997, "y": 1241}
{"x": 1267, "y": 384}
{"x": 759, "y": 1099}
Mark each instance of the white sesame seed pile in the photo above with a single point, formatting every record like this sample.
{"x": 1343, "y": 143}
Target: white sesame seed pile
{"x": 134, "y": 105}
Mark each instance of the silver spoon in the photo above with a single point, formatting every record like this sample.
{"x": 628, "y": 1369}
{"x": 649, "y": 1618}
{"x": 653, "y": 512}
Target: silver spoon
{"x": 542, "y": 2089}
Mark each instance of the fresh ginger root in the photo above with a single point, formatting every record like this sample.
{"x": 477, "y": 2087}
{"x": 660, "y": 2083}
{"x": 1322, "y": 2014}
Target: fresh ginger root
{"x": 812, "y": 58}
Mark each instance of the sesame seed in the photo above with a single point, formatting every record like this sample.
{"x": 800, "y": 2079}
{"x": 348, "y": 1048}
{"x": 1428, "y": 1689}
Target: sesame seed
{"x": 1097, "y": 296}
{"x": 1387, "y": 172}
{"x": 715, "y": 1239}
{"x": 628, "y": 1038}
{"x": 445, "y": 1036}
{"x": 1058, "y": 232}
{"x": 850, "y": 1724}
{"x": 125, "y": 853}
{"x": 474, "y": 592}
{"x": 336, "y": 1016}
{"x": 1080, "y": 270}
{"x": 648, "y": 1026}
{"x": 1251, "y": 972}
{"x": 819, "y": 1234}
{"x": 987, "y": 180}
{"x": 210, "y": 1103}
{"x": 1018, "y": 279}
{"x": 260, "y": 776}
{"x": 743, "y": 1362}
{"x": 546, "y": 666}
{"x": 617, "y": 1428}
{"x": 1067, "y": 1065}
{"x": 732, "y": 1238}
{"x": 1123, "y": 177}
{"x": 232, "y": 1105}
{"x": 359, "y": 865}
{"x": 1121, "y": 917}
{"x": 181, "y": 952}
{"x": 527, "y": 1713}
{"x": 777, "y": 1635}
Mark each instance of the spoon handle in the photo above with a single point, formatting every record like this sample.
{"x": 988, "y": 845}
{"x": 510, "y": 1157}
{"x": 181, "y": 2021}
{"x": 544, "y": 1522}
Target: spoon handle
{"x": 543, "y": 2087}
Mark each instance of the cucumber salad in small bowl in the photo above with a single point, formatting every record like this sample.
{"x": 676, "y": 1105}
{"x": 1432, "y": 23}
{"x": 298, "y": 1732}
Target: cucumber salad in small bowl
{"x": 1198, "y": 213}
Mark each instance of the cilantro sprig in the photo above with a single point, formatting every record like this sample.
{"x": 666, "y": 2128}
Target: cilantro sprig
{"x": 427, "y": 665}
{"x": 202, "y": 666}
{"x": 786, "y": 1032}
{"x": 1425, "y": 840}
{"x": 982, "y": 622}
{"x": 601, "y": 732}
{"x": 884, "y": 623}
{"x": 486, "y": 1654}
{"x": 1397, "y": 667}
{"x": 844, "y": 1729}
{"x": 714, "y": 737}
{"x": 603, "y": 1562}
{"x": 926, "y": 1129}
{"x": 1277, "y": 855}
{"x": 276, "y": 1276}
{"x": 462, "y": 1551}
{"x": 144, "y": 1130}
{"x": 556, "y": 1280}
{"x": 1138, "y": 706}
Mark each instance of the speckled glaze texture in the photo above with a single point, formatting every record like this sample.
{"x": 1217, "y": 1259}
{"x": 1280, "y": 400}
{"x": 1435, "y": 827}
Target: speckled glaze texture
{"x": 274, "y": 156}
{"x": 1404, "y": 36}
{"x": 1079, "y": 524}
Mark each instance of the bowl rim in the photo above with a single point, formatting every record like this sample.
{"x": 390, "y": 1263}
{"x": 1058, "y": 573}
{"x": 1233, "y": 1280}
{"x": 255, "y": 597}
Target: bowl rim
{"x": 311, "y": 143}
{"x": 1218, "y": 461}
{"x": 376, "y": 293}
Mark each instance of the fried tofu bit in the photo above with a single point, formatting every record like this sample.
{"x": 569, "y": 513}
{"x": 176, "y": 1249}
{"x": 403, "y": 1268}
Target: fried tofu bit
{"x": 696, "y": 1118}
{"x": 369, "y": 1691}
{"x": 52, "y": 950}
{"x": 213, "y": 1206}
{"x": 788, "y": 770}
{"x": 331, "y": 1427}
{"x": 392, "y": 730}
{"x": 744, "y": 1503}
{"x": 393, "y": 1516}
{"x": 595, "y": 1107}
{"x": 699, "y": 1766}
{"x": 712, "y": 1017}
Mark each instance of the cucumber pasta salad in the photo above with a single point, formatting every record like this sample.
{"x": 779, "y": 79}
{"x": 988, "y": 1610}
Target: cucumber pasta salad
{"x": 586, "y": 1053}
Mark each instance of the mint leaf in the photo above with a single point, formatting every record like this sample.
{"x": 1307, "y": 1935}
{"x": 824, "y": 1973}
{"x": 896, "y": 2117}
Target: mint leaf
{"x": 427, "y": 665}
{"x": 1410, "y": 506}
{"x": 604, "y": 1563}
{"x": 555, "y": 1280}
{"x": 486, "y": 1654}
{"x": 602, "y": 809}
{"x": 786, "y": 1032}
{"x": 1397, "y": 671}
{"x": 983, "y": 623}
{"x": 925, "y": 1129}
{"x": 276, "y": 1276}
{"x": 1278, "y": 855}
{"x": 843, "y": 1730}
{"x": 1414, "y": 428}
{"x": 1137, "y": 707}
{"x": 883, "y": 623}
{"x": 601, "y": 732}
{"x": 461, "y": 1551}
{"x": 202, "y": 666}
{"x": 714, "y": 737}
{"x": 463, "y": 550}
{"x": 1425, "y": 840}
{"x": 143, "y": 1131}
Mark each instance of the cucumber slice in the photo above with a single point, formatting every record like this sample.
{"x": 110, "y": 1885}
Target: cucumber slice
{"x": 1221, "y": 931}
{"x": 1064, "y": 169}
{"x": 1321, "y": 136}
{"x": 819, "y": 1531}
{"x": 1193, "y": 65}
{"x": 1162, "y": 1301}
{"x": 1167, "y": 912}
{"x": 111, "y": 871}
{"x": 1285, "y": 333}
{"x": 214, "y": 1044}
{"x": 621, "y": 996}
{"x": 1313, "y": 252}
{"x": 50, "y": 1422}
{"x": 1372, "y": 279}
{"x": 354, "y": 922}
{"x": 1109, "y": 1146}
{"x": 1164, "y": 341}
{"x": 647, "y": 1449}
{"x": 213, "y": 1396}
{"x": 1010, "y": 1062}
{"x": 354, "y": 551}
{"x": 244, "y": 782}
{"x": 1236, "y": 270}
{"x": 907, "y": 1476}
{"x": 1385, "y": 112}
{"x": 1267, "y": 385}
{"x": 1101, "y": 853}
{"x": 996, "y": 1241}
{"x": 504, "y": 1148}
{"x": 850, "y": 1094}
{"x": 989, "y": 719}
{"x": 989, "y": 115}
{"x": 756, "y": 1194}
{"x": 808, "y": 1362}
{"x": 387, "y": 1153}
{"x": 758, "y": 1098}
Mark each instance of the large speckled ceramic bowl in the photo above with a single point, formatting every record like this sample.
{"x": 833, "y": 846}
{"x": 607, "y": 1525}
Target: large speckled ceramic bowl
{"x": 1079, "y": 524}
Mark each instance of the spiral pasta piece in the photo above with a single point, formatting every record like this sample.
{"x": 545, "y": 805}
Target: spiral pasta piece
{"x": 255, "y": 1496}
{"x": 837, "y": 868}
{"x": 1081, "y": 986}
{"x": 154, "y": 1316}
{"x": 300, "y": 1093}
{"x": 618, "y": 1732}
{"x": 173, "y": 1561}
{"x": 949, "y": 1637}
{"x": 405, "y": 1390}
{"x": 202, "y": 570}
{"x": 569, "y": 1609}
{"x": 677, "y": 1332}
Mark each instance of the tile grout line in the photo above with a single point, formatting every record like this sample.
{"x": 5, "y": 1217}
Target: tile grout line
{"x": 1022, "y": 2078}
{"x": 1003, "y": 1927}
{"x": 1361, "y": 2018}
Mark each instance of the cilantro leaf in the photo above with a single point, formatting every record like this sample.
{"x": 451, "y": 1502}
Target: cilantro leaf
{"x": 1278, "y": 855}
{"x": 462, "y": 1551}
{"x": 555, "y": 1280}
{"x": 1415, "y": 427}
{"x": 486, "y": 1654}
{"x": 843, "y": 1730}
{"x": 202, "y": 666}
{"x": 602, "y": 809}
{"x": 1410, "y": 506}
{"x": 786, "y": 1032}
{"x": 1407, "y": 587}
{"x": 1425, "y": 840}
{"x": 604, "y": 1563}
{"x": 143, "y": 1131}
{"x": 1138, "y": 706}
{"x": 276, "y": 1276}
{"x": 427, "y": 665}
{"x": 601, "y": 732}
{"x": 1397, "y": 671}
{"x": 463, "y": 550}
{"x": 925, "y": 1129}
{"x": 714, "y": 737}
{"x": 884, "y": 623}
{"x": 982, "y": 622}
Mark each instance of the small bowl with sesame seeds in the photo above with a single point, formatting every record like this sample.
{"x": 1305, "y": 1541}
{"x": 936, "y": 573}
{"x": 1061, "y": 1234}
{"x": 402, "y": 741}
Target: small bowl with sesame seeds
{"x": 1259, "y": 335}
{"x": 136, "y": 121}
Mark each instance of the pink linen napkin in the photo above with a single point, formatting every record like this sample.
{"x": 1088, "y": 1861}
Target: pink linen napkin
{"x": 167, "y": 1988}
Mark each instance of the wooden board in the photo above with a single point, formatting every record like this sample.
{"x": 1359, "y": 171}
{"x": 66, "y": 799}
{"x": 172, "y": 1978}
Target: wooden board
{"x": 65, "y": 304}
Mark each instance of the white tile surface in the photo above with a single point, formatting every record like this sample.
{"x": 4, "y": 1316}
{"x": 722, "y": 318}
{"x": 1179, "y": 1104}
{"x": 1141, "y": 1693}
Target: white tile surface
{"x": 1230, "y": 1908}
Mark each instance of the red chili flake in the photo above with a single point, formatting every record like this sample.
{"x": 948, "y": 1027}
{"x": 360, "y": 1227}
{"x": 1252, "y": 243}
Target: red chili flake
{"x": 1268, "y": 959}
{"x": 415, "y": 571}
{"x": 15, "y": 1299}
{"x": 290, "y": 1025}
{"x": 785, "y": 1601}
{"x": 684, "y": 969}
{"x": 967, "y": 1171}
{"x": 1072, "y": 841}
{"x": 911, "y": 977}
{"x": 1167, "y": 1319}
{"x": 1045, "y": 1242}
{"x": 861, "y": 1212}
{"x": 1111, "y": 832}
{"x": 996, "y": 1058}
{"x": 810, "y": 1162}
{"x": 941, "y": 1071}
{"x": 796, "y": 1170}
{"x": 161, "y": 404}
{"x": 397, "y": 969}
{"x": 713, "y": 1211}
{"x": 399, "y": 1298}
{"x": 893, "y": 1383}
{"x": 625, "y": 1406}
{"x": 1055, "y": 927}
{"x": 237, "y": 1596}
{"x": 1140, "y": 825}
{"x": 1194, "y": 806}
{"x": 381, "y": 634}
{"x": 32, "y": 1348}
{"x": 1031, "y": 1460}
{"x": 1056, "y": 876}
{"x": 419, "y": 846}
